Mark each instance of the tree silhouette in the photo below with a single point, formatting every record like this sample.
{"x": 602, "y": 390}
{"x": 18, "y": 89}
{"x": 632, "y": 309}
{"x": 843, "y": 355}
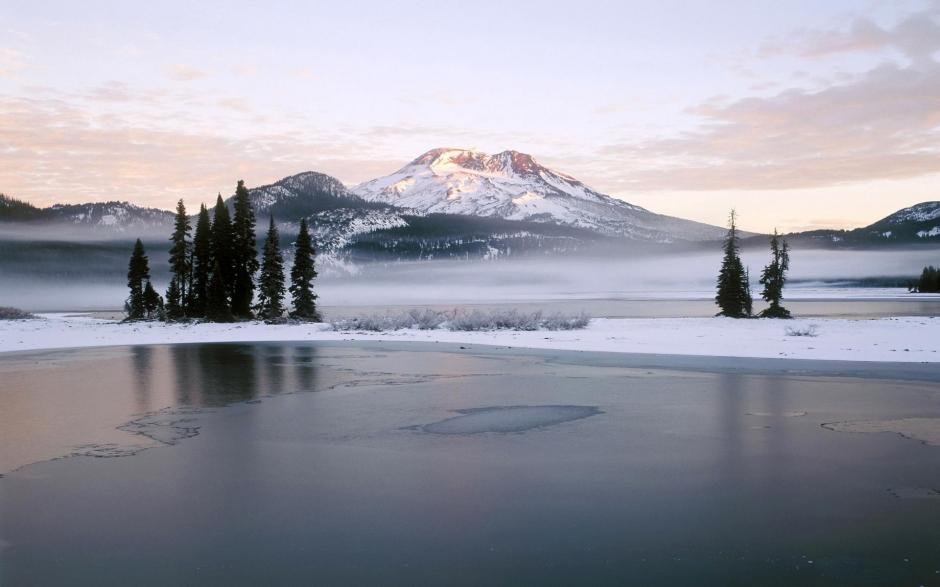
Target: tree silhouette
{"x": 774, "y": 277}
{"x": 271, "y": 281}
{"x": 734, "y": 290}
{"x": 302, "y": 275}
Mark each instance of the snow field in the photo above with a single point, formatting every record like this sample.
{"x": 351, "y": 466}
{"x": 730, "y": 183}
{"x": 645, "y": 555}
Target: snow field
{"x": 907, "y": 339}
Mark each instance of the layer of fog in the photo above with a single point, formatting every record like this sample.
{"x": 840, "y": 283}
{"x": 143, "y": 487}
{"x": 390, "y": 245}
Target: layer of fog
{"x": 689, "y": 276}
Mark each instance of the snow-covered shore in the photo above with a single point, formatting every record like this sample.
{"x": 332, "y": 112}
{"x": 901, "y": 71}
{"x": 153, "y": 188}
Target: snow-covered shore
{"x": 906, "y": 339}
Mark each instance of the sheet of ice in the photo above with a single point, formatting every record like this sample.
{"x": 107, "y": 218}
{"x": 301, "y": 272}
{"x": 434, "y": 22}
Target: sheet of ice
{"x": 926, "y": 430}
{"x": 503, "y": 419}
{"x": 915, "y": 492}
{"x": 909, "y": 339}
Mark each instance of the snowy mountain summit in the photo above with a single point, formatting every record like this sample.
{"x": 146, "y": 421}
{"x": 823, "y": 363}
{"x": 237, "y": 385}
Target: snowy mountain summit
{"x": 514, "y": 186}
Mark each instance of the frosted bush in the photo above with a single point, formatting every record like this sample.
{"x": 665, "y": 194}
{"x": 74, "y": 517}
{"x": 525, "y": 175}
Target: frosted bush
{"x": 807, "y": 331}
{"x": 371, "y": 323}
{"x": 14, "y": 314}
{"x": 426, "y": 319}
{"x": 559, "y": 321}
{"x": 493, "y": 320}
{"x": 462, "y": 321}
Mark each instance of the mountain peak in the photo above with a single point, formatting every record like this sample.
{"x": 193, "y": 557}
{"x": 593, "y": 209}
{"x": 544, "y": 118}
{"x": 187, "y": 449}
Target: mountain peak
{"x": 514, "y": 186}
{"x": 449, "y": 160}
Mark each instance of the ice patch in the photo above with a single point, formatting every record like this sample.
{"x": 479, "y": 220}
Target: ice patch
{"x": 915, "y": 492}
{"x": 926, "y": 430}
{"x": 778, "y": 414}
{"x": 503, "y": 419}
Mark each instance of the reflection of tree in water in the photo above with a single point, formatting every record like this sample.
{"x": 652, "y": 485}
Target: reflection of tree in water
{"x": 141, "y": 361}
{"x": 186, "y": 367}
{"x": 305, "y": 371}
{"x": 275, "y": 363}
{"x": 228, "y": 372}
{"x": 219, "y": 374}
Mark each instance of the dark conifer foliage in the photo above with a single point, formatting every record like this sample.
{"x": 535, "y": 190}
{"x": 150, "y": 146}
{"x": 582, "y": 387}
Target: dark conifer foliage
{"x": 929, "y": 281}
{"x": 302, "y": 275}
{"x": 201, "y": 265}
{"x": 217, "y": 305}
{"x": 179, "y": 260}
{"x": 223, "y": 246}
{"x": 746, "y": 290}
{"x": 174, "y": 307}
{"x": 774, "y": 277}
{"x": 138, "y": 272}
{"x": 153, "y": 303}
{"x": 734, "y": 290}
{"x": 271, "y": 281}
{"x": 244, "y": 255}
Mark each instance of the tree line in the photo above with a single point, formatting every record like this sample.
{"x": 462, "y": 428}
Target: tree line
{"x": 734, "y": 286}
{"x": 929, "y": 281}
{"x": 213, "y": 273}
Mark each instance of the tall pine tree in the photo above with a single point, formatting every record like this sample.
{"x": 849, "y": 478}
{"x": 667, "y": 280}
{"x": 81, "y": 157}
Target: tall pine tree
{"x": 271, "y": 281}
{"x": 734, "y": 291}
{"x": 302, "y": 275}
{"x": 138, "y": 272}
{"x": 774, "y": 277}
{"x": 223, "y": 246}
{"x": 179, "y": 263}
{"x": 217, "y": 305}
{"x": 174, "y": 310}
{"x": 201, "y": 265}
{"x": 153, "y": 303}
{"x": 245, "y": 257}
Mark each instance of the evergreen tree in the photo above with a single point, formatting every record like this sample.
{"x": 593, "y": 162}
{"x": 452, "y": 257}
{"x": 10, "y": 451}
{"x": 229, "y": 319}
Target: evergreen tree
{"x": 179, "y": 260}
{"x": 217, "y": 306}
{"x": 302, "y": 275}
{"x": 271, "y": 282}
{"x": 746, "y": 288}
{"x": 153, "y": 303}
{"x": 245, "y": 257}
{"x": 774, "y": 277}
{"x": 223, "y": 246}
{"x": 138, "y": 271}
{"x": 734, "y": 291}
{"x": 201, "y": 265}
{"x": 929, "y": 280}
{"x": 174, "y": 309}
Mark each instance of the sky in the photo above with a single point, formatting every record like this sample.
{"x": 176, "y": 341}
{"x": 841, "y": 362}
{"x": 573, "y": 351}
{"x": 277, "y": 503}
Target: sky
{"x": 799, "y": 114}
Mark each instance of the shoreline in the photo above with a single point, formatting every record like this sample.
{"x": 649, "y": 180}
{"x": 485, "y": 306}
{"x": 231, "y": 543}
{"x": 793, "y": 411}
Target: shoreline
{"x": 891, "y": 340}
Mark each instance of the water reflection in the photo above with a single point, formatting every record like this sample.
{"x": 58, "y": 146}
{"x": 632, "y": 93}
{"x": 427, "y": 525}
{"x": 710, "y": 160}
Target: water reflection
{"x": 220, "y": 374}
{"x": 142, "y": 365}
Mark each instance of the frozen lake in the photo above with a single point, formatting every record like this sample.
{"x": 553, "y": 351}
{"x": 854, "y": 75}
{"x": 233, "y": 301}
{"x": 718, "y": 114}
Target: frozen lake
{"x": 377, "y": 463}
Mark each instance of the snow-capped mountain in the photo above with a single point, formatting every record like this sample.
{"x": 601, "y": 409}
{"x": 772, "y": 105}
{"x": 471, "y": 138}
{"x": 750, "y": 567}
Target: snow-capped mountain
{"x": 302, "y": 195}
{"x": 917, "y": 222}
{"x": 923, "y": 212}
{"x": 335, "y": 216}
{"x": 115, "y": 218}
{"x": 513, "y": 186}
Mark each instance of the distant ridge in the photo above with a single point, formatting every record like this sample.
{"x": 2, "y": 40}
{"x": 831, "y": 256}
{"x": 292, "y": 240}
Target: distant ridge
{"x": 514, "y": 186}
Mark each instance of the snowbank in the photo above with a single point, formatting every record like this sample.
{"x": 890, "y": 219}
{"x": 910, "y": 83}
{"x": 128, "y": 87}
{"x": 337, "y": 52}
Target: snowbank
{"x": 909, "y": 339}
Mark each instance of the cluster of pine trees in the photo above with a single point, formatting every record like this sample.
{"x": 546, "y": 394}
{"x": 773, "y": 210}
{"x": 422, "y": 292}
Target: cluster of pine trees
{"x": 929, "y": 281}
{"x": 734, "y": 287}
{"x": 213, "y": 274}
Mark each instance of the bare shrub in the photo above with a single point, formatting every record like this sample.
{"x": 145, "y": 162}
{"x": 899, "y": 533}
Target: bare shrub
{"x": 515, "y": 320}
{"x": 15, "y": 314}
{"x": 426, "y": 319}
{"x": 807, "y": 331}
{"x": 370, "y": 323}
{"x": 462, "y": 321}
{"x": 559, "y": 321}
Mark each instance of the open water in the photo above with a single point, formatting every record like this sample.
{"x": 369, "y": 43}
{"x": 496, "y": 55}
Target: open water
{"x": 383, "y": 464}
